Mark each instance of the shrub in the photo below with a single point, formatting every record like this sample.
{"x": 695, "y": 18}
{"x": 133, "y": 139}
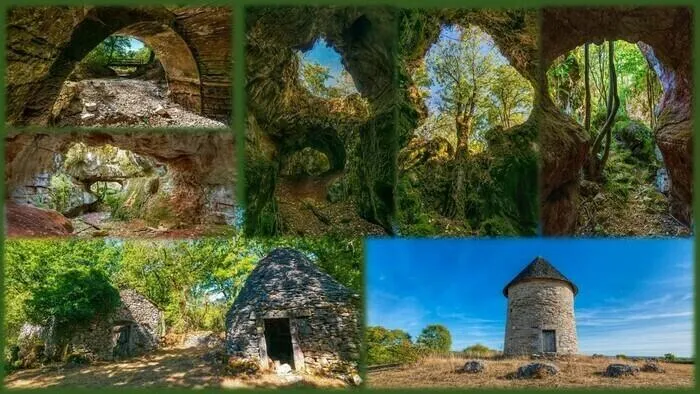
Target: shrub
{"x": 670, "y": 357}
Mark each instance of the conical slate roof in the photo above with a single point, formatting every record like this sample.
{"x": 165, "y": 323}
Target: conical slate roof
{"x": 539, "y": 268}
{"x": 287, "y": 278}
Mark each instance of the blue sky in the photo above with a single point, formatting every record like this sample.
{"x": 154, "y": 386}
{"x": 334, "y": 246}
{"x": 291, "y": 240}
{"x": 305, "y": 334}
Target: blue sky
{"x": 635, "y": 296}
{"x": 326, "y": 56}
{"x": 134, "y": 44}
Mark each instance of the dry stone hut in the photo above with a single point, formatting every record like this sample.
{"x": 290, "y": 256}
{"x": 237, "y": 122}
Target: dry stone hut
{"x": 134, "y": 328}
{"x": 291, "y": 312}
{"x": 540, "y": 312}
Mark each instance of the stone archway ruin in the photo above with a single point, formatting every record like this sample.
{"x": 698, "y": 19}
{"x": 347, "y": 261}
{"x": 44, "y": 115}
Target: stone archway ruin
{"x": 45, "y": 43}
{"x": 667, "y": 31}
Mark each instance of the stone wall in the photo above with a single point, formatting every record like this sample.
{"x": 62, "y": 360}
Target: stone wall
{"x": 323, "y": 314}
{"x": 536, "y": 305}
{"x": 99, "y": 340}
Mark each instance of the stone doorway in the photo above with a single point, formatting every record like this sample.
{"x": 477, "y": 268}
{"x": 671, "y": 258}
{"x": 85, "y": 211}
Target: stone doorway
{"x": 549, "y": 341}
{"x": 278, "y": 341}
{"x": 124, "y": 340}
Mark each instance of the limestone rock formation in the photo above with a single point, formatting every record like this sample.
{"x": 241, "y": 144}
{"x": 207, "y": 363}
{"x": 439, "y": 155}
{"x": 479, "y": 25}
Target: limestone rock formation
{"x": 289, "y": 311}
{"x": 202, "y": 165}
{"x": 536, "y": 371}
{"x": 24, "y": 220}
{"x": 473, "y": 366}
{"x": 652, "y": 366}
{"x": 665, "y": 34}
{"x": 619, "y": 370}
{"x": 45, "y": 43}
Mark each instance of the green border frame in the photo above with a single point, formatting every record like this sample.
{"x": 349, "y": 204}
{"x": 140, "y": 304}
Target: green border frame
{"x": 238, "y": 123}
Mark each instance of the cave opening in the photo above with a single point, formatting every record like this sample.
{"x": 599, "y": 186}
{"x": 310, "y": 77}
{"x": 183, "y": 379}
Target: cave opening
{"x": 472, "y": 105}
{"x": 624, "y": 183}
{"x": 307, "y": 162}
{"x": 142, "y": 75}
{"x": 322, "y": 73}
{"x": 102, "y": 190}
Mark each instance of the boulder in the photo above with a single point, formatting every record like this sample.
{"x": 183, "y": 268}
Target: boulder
{"x": 28, "y": 221}
{"x": 284, "y": 369}
{"x": 636, "y": 137}
{"x": 90, "y": 107}
{"x": 536, "y": 370}
{"x": 618, "y": 370}
{"x": 652, "y": 366}
{"x": 473, "y": 366}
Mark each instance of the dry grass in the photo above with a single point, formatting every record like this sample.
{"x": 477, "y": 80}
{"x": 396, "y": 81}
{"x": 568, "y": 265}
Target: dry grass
{"x": 181, "y": 368}
{"x": 574, "y": 372}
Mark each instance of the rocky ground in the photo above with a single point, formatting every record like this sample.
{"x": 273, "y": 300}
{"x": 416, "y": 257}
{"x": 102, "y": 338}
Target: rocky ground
{"x": 306, "y": 211}
{"x": 173, "y": 367}
{"x": 580, "y": 372}
{"x": 115, "y": 102}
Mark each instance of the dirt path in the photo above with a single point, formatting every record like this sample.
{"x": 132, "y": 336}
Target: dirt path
{"x": 176, "y": 368}
{"x": 581, "y": 372}
{"x": 305, "y": 209}
{"x": 100, "y": 224}
{"x": 124, "y": 102}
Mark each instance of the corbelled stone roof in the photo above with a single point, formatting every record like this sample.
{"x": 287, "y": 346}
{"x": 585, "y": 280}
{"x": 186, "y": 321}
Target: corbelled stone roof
{"x": 287, "y": 278}
{"x": 539, "y": 268}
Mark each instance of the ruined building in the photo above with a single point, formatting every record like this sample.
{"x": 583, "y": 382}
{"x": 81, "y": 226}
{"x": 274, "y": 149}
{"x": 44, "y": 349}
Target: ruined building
{"x": 291, "y": 312}
{"x": 540, "y": 315}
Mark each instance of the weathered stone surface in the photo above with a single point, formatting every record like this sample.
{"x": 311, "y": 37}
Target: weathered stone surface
{"x": 665, "y": 36}
{"x": 24, "y": 220}
{"x": 322, "y": 314}
{"x": 202, "y": 339}
{"x": 536, "y": 371}
{"x": 618, "y": 370}
{"x": 473, "y": 366}
{"x": 652, "y": 366}
{"x": 202, "y": 165}
{"x": 45, "y": 43}
{"x": 133, "y": 329}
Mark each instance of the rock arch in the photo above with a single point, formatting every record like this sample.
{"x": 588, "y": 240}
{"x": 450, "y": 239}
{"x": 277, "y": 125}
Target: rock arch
{"x": 364, "y": 37}
{"x": 45, "y": 43}
{"x": 667, "y": 33}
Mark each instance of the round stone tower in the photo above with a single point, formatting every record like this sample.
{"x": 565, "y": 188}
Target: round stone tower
{"x": 540, "y": 317}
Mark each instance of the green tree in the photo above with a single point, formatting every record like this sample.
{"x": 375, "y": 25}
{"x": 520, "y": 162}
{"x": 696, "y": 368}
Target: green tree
{"x": 436, "y": 338}
{"x": 386, "y": 346}
{"x": 478, "y": 349}
{"x": 314, "y": 77}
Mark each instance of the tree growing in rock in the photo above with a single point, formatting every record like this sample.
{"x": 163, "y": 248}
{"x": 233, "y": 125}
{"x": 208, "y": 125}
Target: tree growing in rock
{"x": 462, "y": 67}
{"x": 596, "y": 159}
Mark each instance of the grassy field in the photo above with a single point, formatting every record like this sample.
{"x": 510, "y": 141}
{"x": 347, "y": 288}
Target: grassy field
{"x": 574, "y": 372}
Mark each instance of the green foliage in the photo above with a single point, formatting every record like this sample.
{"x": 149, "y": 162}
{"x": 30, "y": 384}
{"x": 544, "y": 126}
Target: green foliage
{"x": 622, "y": 356}
{"x": 670, "y": 357}
{"x": 306, "y": 162}
{"x": 61, "y": 190}
{"x": 638, "y": 86}
{"x": 386, "y": 346}
{"x": 319, "y": 80}
{"x": 435, "y": 338}
{"x": 478, "y": 349}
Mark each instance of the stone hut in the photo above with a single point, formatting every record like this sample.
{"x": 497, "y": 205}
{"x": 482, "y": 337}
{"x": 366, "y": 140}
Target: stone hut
{"x": 134, "y": 328}
{"x": 291, "y": 312}
{"x": 540, "y": 317}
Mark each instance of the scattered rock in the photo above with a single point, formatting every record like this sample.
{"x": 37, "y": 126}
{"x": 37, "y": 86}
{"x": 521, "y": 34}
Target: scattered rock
{"x": 652, "y": 366}
{"x": 284, "y": 369}
{"x": 356, "y": 380}
{"x": 536, "y": 370}
{"x": 473, "y": 366}
{"x": 618, "y": 370}
{"x": 91, "y": 107}
{"x": 86, "y": 116}
{"x": 162, "y": 112}
{"x": 600, "y": 197}
{"x": 589, "y": 188}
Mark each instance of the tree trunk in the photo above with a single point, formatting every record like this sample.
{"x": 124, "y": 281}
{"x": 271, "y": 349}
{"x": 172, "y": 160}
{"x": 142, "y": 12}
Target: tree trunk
{"x": 587, "y": 85}
{"x": 596, "y": 163}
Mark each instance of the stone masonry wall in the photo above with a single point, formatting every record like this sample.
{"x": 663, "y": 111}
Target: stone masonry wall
{"x": 324, "y": 321}
{"x": 98, "y": 339}
{"x": 537, "y": 305}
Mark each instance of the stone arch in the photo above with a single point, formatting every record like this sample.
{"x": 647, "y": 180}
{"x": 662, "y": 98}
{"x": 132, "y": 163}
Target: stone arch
{"x": 667, "y": 33}
{"x": 46, "y": 53}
